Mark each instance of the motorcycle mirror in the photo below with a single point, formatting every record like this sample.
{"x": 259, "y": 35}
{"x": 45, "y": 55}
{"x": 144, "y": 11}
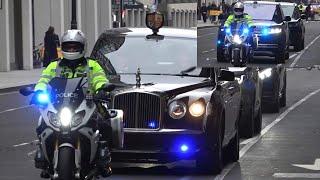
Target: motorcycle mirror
{"x": 109, "y": 87}
{"x": 26, "y": 91}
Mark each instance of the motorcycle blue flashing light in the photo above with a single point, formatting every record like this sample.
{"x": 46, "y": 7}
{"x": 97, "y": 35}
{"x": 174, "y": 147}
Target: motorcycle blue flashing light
{"x": 43, "y": 98}
{"x": 245, "y": 30}
{"x": 228, "y": 30}
{"x": 219, "y": 42}
{"x": 265, "y": 31}
{"x": 184, "y": 148}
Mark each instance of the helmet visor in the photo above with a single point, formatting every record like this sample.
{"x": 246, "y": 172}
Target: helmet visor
{"x": 72, "y": 47}
{"x": 238, "y": 10}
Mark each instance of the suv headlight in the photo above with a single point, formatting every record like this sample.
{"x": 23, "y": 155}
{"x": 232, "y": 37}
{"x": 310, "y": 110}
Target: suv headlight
{"x": 177, "y": 109}
{"x": 275, "y": 30}
{"x": 54, "y": 119}
{"x": 197, "y": 109}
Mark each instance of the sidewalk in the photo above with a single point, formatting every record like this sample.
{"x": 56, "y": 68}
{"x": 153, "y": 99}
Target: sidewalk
{"x": 208, "y": 24}
{"x": 19, "y": 78}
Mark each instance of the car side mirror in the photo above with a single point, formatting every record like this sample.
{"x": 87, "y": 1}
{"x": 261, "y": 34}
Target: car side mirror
{"x": 287, "y": 18}
{"x": 26, "y": 91}
{"x": 226, "y": 76}
{"x": 303, "y": 16}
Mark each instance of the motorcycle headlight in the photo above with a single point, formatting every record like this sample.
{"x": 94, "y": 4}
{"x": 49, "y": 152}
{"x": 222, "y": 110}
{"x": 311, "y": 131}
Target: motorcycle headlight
{"x": 197, "y": 109}
{"x": 265, "y": 73}
{"x": 77, "y": 118}
{"x": 236, "y": 39}
{"x": 65, "y": 116}
{"x": 177, "y": 109}
{"x": 54, "y": 119}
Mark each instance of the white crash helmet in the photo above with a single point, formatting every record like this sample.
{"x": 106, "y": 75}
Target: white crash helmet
{"x": 73, "y": 44}
{"x": 238, "y": 9}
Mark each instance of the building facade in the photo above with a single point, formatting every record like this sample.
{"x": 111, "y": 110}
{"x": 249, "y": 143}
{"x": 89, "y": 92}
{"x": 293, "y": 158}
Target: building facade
{"x": 24, "y": 23}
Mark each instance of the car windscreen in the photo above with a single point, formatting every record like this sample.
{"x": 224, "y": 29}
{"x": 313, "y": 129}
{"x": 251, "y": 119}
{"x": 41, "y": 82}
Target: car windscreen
{"x": 260, "y": 11}
{"x": 287, "y": 10}
{"x": 168, "y": 56}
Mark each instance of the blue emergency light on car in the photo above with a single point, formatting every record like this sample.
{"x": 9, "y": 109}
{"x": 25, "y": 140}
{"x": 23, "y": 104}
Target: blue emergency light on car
{"x": 228, "y": 30}
{"x": 152, "y": 125}
{"x": 184, "y": 148}
{"x": 265, "y": 31}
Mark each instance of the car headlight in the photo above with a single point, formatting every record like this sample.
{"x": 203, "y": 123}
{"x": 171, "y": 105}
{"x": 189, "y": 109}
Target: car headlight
{"x": 197, "y": 109}
{"x": 65, "y": 116}
{"x": 236, "y": 39}
{"x": 54, "y": 119}
{"x": 265, "y": 73}
{"x": 177, "y": 109}
{"x": 275, "y": 30}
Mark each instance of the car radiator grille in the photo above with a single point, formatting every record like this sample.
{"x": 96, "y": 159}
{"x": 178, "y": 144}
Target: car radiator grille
{"x": 140, "y": 110}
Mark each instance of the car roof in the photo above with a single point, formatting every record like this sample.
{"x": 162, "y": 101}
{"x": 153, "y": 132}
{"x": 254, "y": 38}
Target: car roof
{"x": 167, "y": 32}
{"x": 261, "y": 2}
{"x": 287, "y": 3}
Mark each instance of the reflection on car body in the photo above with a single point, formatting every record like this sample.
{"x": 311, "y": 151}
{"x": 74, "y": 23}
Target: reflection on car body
{"x": 251, "y": 92}
{"x": 176, "y": 112}
{"x": 274, "y": 88}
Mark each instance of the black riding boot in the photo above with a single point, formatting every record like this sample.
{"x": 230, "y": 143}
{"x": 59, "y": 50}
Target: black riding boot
{"x": 104, "y": 159}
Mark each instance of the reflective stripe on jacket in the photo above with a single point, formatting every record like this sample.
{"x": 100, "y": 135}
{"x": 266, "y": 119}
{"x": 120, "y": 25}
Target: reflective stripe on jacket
{"x": 97, "y": 76}
{"x": 231, "y": 19}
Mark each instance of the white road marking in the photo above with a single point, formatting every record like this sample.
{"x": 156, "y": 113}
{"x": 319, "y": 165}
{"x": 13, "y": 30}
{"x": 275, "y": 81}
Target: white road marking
{"x": 225, "y": 171}
{"x": 314, "y": 167}
{"x": 32, "y": 152}
{"x": 207, "y": 51}
{"x": 292, "y": 56}
{"x": 254, "y": 140}
{"x": 247, "y": 141}
{"x": 26, "y": 143}
{"x": 14, "y": 92}
{"x": 303, "y": 51}
{"x": 297, "y": 175}
{"x": 14, "y": 109}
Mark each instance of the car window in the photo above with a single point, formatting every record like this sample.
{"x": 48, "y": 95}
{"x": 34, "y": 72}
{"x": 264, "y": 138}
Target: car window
{"x": 171, "y": 55}
{"x": 288, "y": 10}
{"x": 260, "y": 11}
{"x": 296, "y": 13}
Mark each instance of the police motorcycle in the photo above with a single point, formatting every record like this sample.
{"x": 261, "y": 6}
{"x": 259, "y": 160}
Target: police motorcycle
{"x": 237, "y": 47}
{"x": 70, "y": 140}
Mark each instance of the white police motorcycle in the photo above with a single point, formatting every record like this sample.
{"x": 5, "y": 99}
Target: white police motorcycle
{"x": 70, "y": 139}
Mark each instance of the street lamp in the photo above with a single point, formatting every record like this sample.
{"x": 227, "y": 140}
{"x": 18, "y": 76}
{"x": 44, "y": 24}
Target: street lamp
{"x": 74, "y": 15}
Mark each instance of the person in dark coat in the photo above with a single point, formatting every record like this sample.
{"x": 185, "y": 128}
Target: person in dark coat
{"x": 51, "y": 42}
{"x": 204, "y": 11}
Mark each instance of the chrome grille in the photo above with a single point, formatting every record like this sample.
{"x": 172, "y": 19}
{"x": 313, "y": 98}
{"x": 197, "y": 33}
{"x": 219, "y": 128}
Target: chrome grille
{"x": 140, "y": 110}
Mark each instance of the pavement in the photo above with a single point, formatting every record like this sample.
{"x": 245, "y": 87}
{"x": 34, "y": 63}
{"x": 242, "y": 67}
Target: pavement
{"x": 207, "y": 39}
{"x": 19, "y": 78}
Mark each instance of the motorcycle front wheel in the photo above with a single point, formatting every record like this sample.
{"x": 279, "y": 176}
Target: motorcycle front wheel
{"x": 66, "y": 163}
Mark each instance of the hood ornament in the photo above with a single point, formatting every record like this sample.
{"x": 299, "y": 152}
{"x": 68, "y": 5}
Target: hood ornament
{"x": 138, "y": 78}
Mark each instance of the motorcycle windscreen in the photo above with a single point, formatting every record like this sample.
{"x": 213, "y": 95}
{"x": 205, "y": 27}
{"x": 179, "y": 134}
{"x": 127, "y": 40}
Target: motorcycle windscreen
{"x": 237, "y": 27}
{"x": 67, "y": 92}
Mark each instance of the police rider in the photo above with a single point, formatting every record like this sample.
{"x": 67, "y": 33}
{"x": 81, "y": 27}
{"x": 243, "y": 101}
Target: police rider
{"x": 74, "y": 64}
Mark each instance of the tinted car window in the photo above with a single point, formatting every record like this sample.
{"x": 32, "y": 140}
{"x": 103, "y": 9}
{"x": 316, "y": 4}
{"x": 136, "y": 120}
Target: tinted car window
{"x": 260, "y": 11}
{"x": 277, "y": 17}
{"x": 171, "y": 55}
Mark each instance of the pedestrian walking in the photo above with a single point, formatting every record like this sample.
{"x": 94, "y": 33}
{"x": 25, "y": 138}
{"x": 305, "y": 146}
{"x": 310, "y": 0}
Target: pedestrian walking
{"x": 51, "y": 43}
{"x": 204, "y": 12}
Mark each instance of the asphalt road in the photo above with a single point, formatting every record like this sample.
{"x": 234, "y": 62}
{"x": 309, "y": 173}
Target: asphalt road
{"x": 207, "y": 38}
{"x": 290, "y": 137}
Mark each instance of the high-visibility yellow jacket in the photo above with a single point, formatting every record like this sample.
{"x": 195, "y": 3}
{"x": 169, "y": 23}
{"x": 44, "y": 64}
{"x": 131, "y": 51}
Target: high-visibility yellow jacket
{"x": 232, "y": 18}
{"x": 96, "y": 76}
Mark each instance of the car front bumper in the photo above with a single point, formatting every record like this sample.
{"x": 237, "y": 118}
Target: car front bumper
{"x": 159, "y": 147}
